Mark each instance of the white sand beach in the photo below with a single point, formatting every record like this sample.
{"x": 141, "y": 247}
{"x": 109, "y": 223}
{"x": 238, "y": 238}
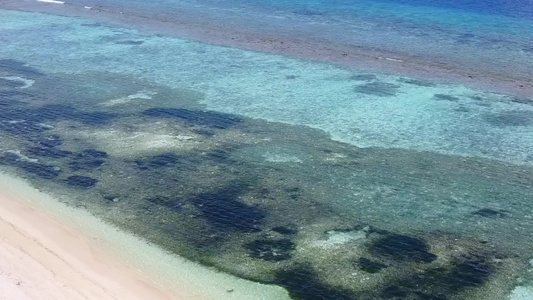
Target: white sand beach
{"x": 43, "y": 256}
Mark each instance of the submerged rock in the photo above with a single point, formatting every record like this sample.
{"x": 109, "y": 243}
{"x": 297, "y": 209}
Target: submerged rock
{"x": 166, "y": 202}
{"x": 440, "y": 283}
{"x": 12, "y": 66}
{"x": 363, "y": 77}
{"x": 88, "y": 159}
{"x": 81, "y": 181}
{"x": 271, "y": 250}
{"x": 40, "y": 170}
{"x": 223, "y": 210}
{"x": 21, "y": 127}
{"x": 195, "y": 117}
{"x": 370, "y": 266}
{"x": 93, "y": 153}
{"x": 510, "y": 118}
{"x": 130, "y": 42}
{"x": 49, "y": 141}
{"x": 285, "y": 230}
{"x": 417, "y": 82}
{"x": 471, "y": 273}
{"x": 85, "y": 164}
{"x": 32, "y": 167}
{"x": 158, "y": 161}
{"x": 489, "y": 213}
{"x": 445, "y": 97}
{"x": 402, "y": 248}
{"x": 48, "y": 152}
{"x": 304, "y": 284}
{"x": 381, "y": 89}
{"x": 57, "y": 112}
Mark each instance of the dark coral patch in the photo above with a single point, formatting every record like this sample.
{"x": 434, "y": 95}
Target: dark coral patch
{"x": 363, "y": 77}
{"x": 445, "y": 97}
{"x": 285, "y": 230}
{"x": 510, "y": 118}
{"x": 195, "y": 117}
{"x": 81, "y": 181}
{"x": 394, "y": 291}
{"x": 417, "y": 82}
{"x": 7, "y": 99}
{"x": 93, "y": 153}
{"x": 381, "y": 89}
{"x": 130, "y": 42}
{"x": 21, "y": 128}
{"x": 402, "y": 248}
{"x": 304, "y": 284}
{"x": 37, "y": 169}
{"x": 489, "y": 213}
{"x": 307, "y": 12}
{"x": 442, "y": 282}
{"x": 471, "y": 273}
{"x": 88, "y": 159}
{"x": 48, "y": 152}
{"x": 166, "y": 202}
{"x": 158, "y": 161}
{"x": 18, "y": 119}
{"x": 218, "y": 155}
{"x": 19, "y": 68}
{"x": 370, "y": 266}
{"x": 41, "y": 170}
{"x": 223, "y": 210}
{"x": 57, "y": 112}
{"x": 271, "y": 250}
{"x": 521, "y": 100}
{"x": 85, "y": 164}
{"x": 48, "y": 141}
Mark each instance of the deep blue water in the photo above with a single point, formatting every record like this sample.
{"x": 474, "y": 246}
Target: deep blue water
{"x": 512, "y": 8}
{"x": 493, "y": 36}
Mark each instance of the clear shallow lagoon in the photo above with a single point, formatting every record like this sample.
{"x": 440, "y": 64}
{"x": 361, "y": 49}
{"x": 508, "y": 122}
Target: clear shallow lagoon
{"x": 332, "y": 183}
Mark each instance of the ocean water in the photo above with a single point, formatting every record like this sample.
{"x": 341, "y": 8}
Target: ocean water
{"x": 330, "y": 180}
{"x": 476, "y": 37}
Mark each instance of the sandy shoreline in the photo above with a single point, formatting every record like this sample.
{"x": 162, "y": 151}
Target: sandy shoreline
{"x": 43, "y": 256}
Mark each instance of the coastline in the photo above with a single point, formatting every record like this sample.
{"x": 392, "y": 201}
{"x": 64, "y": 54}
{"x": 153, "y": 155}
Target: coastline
{"x": 351, "y": 57}
{"x": 51, "y": 251}
{"x": 51, "y": 248}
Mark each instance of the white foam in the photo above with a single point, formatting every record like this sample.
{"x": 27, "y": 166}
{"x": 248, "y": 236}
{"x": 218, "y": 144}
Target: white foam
{"x": 27, "y": 82}
{"x": 146, "y": 95}
{"x": 393, "y": 59}
{"x": 51, "y": 1}
{"x": 142, "y": 95}
{"x": 22, "y": 157}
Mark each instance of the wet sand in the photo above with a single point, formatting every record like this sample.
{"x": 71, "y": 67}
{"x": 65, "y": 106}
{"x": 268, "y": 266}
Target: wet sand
{"x": 43, "y": 258}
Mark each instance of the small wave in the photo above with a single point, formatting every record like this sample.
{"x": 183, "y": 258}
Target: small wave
{"x": 51, "y": 1}
{"x": 26, "y": 82}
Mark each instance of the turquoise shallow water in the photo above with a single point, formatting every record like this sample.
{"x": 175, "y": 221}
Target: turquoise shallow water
{"x": 484, "y": 35}
{"x": 366, "y": 110}
{"x": 333, "y": 184}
